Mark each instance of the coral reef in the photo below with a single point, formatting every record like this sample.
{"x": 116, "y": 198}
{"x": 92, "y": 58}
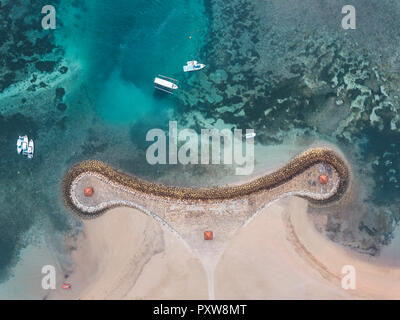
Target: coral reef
{"x": 285, "y": 68}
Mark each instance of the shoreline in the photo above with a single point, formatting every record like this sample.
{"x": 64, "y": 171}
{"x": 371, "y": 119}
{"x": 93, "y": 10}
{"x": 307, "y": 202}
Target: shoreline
{"x": 282, "y": 236}
{"x": 187, "y": 212}
{"x": 290, "y": 259}
{"x": 126, "y": 264}
{"x": 278, "y": 255}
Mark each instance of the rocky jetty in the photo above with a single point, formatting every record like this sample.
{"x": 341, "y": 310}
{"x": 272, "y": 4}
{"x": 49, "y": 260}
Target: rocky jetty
{"x": 268, "y": 182}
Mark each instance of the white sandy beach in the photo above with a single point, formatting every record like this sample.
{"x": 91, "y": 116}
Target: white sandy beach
{"x": 279, "y": 255}
{"x": 125, "y": 254}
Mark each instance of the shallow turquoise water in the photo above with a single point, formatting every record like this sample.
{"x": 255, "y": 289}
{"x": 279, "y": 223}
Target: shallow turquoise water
{"x": 121, "y": 46}
{"x": 128, "y": 44}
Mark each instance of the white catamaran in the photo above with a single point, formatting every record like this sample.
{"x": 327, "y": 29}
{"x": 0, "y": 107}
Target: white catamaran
{"x": 193, "y": 66}
{"x": 25, "y": 146}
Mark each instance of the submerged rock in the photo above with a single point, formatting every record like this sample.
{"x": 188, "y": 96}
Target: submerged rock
{"x": 60, "y": 92}
{"x": 45, "y": 66}
{"x": 62, "y": 106}
{"x": 63, "y": 69}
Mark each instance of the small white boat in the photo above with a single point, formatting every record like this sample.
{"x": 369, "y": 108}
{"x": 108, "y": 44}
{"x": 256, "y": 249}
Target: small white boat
{"x": 250, "y": 135}
{"x": 193, "y": 66}
{"x": 25, "y": 146}
{"x": 31, "y": 149}
{"x": 22, "y": 144}
{"x": 165, "y": 84}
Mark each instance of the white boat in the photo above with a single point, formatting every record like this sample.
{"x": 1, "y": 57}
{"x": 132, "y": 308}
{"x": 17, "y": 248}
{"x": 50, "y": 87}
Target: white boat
{"x": 31, "y": 149}
{"x": 165, "y": 84}
{"x": 193, "y": 66}
{"x": 250, "y": 135}
{"x": 25, "y": 146}
{"x": 22, "y": 144}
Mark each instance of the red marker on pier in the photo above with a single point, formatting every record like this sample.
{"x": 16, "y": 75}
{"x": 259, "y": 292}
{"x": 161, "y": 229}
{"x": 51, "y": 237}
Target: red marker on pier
{"x": 66, "y": 286}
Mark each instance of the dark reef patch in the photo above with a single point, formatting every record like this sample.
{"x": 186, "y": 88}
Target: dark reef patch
{"x": 45, "y": 66}
{"x": 60, "y": 92}
{"x": 62, "y": 107}
{"x": 63, "y": 69}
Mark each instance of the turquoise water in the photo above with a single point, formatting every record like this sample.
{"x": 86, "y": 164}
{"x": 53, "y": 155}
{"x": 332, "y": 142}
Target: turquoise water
{"x": 127, "y": 44}
{"x": 282, "y": 68}
{"x": 120, "y": 46}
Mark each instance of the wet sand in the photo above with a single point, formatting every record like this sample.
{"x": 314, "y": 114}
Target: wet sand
{"x": 278, "y": 255}
{"x": 128, "y": 255}
{"x": 189, "y": 212}
{"x": 265, "y": 245}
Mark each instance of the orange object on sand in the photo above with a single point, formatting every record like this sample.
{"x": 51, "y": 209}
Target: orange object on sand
{"x": 208, "y": 235}
{"x": 88, "y": 192}
{"x": 323, "y": 179}
{"x": 66, "y": 286}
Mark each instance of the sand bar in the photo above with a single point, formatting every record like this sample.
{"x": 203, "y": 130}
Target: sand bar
{"x": 189, "y": 212}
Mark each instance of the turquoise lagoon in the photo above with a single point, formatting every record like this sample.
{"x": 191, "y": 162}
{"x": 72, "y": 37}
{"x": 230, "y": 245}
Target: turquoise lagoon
{"x": 119, "y": 46}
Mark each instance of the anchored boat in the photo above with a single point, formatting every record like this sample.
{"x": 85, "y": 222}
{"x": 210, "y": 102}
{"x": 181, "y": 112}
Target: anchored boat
{"x": 22, "y": 144}
{"x": 250, "y": 135}
{"x": 193, "y": 66}
{"x": 31, "y": 149}
{"x": 25, "y": 146}
{"x": 165, "y": 84}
